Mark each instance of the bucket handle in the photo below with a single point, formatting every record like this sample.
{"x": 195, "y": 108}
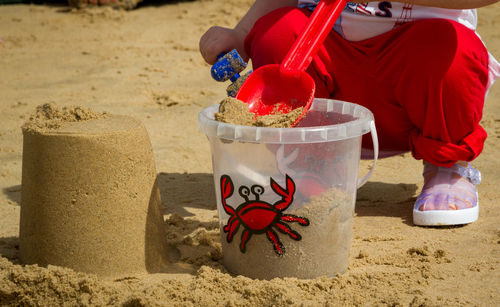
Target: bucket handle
{"x": 373, "y": 132}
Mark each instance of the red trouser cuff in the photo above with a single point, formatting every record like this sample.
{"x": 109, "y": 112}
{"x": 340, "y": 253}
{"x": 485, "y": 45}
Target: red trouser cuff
{"x": 447, "y": 154}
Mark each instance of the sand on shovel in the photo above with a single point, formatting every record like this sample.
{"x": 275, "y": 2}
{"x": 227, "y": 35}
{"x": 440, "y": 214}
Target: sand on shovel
{"x": 234, "y": 111}
{"x": 90, "y": 199}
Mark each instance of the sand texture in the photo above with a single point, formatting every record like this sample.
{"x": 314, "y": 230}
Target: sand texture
{"x": 50, "y": 117}
{"x": 145, "y": 63}
{"x": 90, "y": 200}
{"x": 234, "y": 111}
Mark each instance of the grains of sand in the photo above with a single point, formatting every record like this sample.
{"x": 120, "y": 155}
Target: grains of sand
{"x": 234, "y": 111}
{"x": 49, "y": 116}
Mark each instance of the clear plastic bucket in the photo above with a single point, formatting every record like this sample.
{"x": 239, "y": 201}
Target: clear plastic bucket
{"x": 285, "y": 196}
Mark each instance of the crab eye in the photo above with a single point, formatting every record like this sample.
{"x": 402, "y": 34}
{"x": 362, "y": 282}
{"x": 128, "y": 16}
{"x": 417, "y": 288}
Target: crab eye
{"x": 257, "y": 190}
{"x": 244, "y": 191}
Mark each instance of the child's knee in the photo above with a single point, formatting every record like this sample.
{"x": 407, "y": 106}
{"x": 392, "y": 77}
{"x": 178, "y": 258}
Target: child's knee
{"x": 273, "y": 34}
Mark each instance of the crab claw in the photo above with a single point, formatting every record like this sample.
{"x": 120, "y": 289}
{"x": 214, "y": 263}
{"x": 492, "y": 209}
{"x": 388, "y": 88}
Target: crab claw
{"x": 226, "y": 190}
{"x": 287, "y": 193}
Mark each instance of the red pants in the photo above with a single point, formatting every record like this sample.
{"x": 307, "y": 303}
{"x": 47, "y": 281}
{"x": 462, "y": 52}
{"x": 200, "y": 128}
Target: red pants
{"x": 424, "y": 81}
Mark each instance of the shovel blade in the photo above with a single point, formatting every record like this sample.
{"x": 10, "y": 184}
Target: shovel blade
{"x": 268, "y": 90}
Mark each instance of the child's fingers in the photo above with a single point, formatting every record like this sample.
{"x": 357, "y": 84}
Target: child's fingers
{"x": 212, "y": 43}
{"x": 218, "y": 40}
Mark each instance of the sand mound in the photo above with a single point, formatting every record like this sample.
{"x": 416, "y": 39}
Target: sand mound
{"x": 49, "y": 116}
{"x": 90, "y": 200}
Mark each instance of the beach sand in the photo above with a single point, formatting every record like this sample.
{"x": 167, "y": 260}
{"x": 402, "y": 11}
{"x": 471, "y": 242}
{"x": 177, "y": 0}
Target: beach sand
{"x": 145, "y": 63}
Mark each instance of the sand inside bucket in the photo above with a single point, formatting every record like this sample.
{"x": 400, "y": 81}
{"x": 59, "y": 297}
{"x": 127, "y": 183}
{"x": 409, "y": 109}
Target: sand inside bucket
{"x": 90, "y": 199}
{"x": 322, "y": 250}
{"x": 234, "y": 111}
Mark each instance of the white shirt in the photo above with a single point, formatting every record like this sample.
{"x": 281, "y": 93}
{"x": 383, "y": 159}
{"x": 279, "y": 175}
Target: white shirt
{"x": 360, "y": 21}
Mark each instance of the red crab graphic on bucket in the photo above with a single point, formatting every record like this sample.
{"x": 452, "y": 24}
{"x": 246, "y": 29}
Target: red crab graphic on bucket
{"x": 259, "y": 217}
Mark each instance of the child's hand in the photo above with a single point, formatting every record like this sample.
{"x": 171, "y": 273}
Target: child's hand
{"x": 218, "y": 40}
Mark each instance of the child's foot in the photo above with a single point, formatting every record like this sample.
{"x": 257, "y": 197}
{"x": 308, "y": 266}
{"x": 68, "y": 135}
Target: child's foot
{"x": 449, "y": 196}
{"x": 124, "y": 4}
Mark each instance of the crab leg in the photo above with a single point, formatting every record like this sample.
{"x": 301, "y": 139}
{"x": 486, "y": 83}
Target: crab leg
{"x": 278, "y": 246}
{"x": 245, "y": 236}
{"x": 232, "y": 227}
{"x": 228, "y": 225}
{"x": 289, "y": 231}
{"x": 293, "y": 218}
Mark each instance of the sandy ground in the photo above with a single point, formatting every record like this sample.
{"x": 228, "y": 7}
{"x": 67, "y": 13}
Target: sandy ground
{"x": 145, "y": 63}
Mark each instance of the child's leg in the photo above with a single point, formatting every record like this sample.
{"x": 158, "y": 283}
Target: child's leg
{"x": 441, "y": 82}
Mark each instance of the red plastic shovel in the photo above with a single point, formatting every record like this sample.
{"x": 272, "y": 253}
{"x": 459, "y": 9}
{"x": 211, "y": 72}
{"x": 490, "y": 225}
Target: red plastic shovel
{"x": 281, "y": 88}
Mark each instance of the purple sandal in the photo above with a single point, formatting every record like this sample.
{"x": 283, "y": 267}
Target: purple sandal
{"x": 449, "y": 196}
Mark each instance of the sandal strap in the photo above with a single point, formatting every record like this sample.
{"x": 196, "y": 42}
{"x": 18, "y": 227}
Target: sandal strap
{"x": 474, "y": 175}
{"x": 470, "y": 173}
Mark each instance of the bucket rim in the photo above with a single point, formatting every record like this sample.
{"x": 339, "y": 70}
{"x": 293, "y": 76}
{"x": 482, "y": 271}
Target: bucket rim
{"x": 230, "y": 132}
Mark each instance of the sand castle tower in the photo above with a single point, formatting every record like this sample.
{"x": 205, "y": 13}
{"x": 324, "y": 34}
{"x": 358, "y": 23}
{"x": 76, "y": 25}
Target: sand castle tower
{"x": 90, "y": 199}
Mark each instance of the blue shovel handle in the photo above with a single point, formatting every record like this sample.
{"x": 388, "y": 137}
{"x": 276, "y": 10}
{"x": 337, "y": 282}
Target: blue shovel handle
{"x": 228, "y": 66}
